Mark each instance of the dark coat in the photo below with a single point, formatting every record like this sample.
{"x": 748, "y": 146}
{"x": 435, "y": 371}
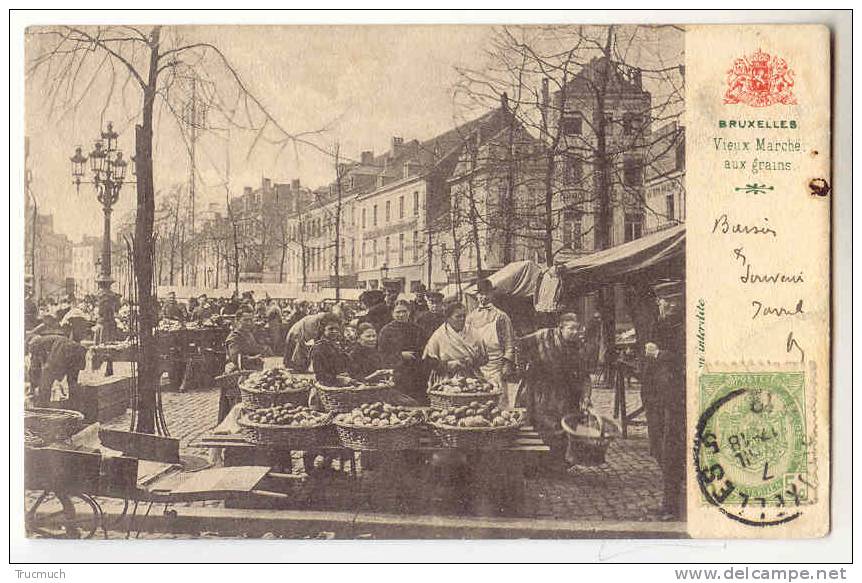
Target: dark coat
{"x": 409, "y": 375}
{"x": 328, "y": 361}
{"x": 429, "y": 322}
{"x": 378, "y": 316}
{"x": 364, "y": 361}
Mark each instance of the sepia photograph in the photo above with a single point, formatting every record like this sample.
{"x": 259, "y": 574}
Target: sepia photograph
{"x": 355, "y": 282}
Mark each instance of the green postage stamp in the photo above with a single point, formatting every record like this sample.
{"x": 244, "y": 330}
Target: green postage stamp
{"x": 752, "y": 445}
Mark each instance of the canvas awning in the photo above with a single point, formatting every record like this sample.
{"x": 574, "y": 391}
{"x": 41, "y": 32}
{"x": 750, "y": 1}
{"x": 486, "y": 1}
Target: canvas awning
{"x": 517, "y": 279}
{"x": 664, "y": 249}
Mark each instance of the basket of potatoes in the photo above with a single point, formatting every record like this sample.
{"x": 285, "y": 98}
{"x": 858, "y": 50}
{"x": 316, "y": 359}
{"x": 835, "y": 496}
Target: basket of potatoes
{"x": 380, "y": 426}
{"x": 274, "y": 386}
{"x": 477, "y": 425}
{"x": 458, "y": 391}
{"x": 287, "y": 425}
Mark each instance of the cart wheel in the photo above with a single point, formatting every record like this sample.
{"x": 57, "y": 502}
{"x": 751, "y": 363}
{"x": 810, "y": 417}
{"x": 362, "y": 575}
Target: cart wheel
{"x": 66, "y": 516}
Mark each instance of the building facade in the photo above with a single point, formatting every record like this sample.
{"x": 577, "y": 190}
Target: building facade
{"x": 664, "y": 196}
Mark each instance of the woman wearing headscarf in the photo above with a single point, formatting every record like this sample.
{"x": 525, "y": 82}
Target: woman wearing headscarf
{"x": 401, "y": 343}
{"x": 449, "y": 351}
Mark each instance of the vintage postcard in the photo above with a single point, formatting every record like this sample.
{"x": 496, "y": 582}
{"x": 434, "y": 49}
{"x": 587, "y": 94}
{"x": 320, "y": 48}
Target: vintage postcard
{"x": 440, "y": 281}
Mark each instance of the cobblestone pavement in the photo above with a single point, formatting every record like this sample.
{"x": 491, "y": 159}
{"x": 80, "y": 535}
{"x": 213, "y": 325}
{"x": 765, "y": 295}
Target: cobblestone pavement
{"x": 626, "y": 488}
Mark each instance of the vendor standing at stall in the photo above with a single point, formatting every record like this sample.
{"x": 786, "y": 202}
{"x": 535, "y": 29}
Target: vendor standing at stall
{"x": 401, "y": 343}
{"x": 297, "y": 343}
{"x": 490, "y": 326}
{"x": 328, "y": 359}
{"x": 449, "y": 352}
{"x": 241, "y": 342}
{"x": 555, "y": 382}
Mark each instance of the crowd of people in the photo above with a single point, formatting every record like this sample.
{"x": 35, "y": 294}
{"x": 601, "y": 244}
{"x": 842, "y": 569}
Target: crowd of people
{"x": 418, "y": 342}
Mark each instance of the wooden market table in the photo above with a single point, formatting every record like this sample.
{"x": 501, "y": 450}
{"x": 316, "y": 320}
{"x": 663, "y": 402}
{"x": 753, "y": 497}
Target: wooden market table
{"x": 476, "y": 481}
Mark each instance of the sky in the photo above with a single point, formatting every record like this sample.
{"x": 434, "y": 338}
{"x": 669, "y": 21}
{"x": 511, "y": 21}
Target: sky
{"x": 360, "y": 85}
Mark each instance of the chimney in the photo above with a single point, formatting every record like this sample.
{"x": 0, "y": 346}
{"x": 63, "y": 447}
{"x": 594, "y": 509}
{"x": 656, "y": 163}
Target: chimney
{"x": 246, "y": 191}
{"x": 367, "y": 157}
{"x": 265, "y": 184}
{"x": 397, "y": 144}
{"x": 294, "y": 184}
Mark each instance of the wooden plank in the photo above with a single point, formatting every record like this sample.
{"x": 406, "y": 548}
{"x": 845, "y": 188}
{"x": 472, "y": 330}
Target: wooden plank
{"x": 236, "y": 479}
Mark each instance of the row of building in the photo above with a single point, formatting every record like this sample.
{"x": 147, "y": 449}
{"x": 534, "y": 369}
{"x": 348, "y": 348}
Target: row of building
{"x": 465, "y": 202}
{"x": 456, "y": 206}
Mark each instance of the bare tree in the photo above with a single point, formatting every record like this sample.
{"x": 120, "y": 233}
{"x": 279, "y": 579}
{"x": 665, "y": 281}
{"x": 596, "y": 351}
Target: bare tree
{"x": 159, "y": 63}
{"x": 581, "y": 90}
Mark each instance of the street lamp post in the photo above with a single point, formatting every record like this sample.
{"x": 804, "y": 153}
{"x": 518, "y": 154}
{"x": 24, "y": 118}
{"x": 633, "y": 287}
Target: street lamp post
{"x": 108, "y": 168}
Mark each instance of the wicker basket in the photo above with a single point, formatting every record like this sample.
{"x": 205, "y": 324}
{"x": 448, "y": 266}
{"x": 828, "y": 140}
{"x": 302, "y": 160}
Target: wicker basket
{"x": 288, "y": 436}
{"x": 231, "y": 380}
{"x": 585, "y": 449}
{"x": 345, "y": 399}
{"x": 382, "y": 438}
{"x": 475, "y": 437}
{"x": 52, "y": 424}
{"x": 255, "y": 399}
{"x": 443, "y": 400}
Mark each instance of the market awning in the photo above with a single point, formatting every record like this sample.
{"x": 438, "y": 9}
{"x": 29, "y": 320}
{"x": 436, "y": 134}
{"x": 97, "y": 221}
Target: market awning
{"x": 624, "y": 261}
{"x": 517, "y": 279}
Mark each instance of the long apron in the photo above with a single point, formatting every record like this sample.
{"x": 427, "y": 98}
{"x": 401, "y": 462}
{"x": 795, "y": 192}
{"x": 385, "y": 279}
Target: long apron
{"x": 493, "y": 369}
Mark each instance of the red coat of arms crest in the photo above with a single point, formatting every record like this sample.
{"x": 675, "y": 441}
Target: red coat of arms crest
{"x": 760, "y": 80}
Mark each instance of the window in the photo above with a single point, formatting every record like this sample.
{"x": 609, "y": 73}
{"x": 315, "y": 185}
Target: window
{"x": 572, "y": 124}
{"x": 374, "y": 216}
{"x": 364, "y": 257}
{"x": 415, "y": 203}
{"x": 352, "y": 253}
{"x": 363, "y": 217}
{"x": 670, "y": 205}
{"x": 388, "y": 211}
{"x": 609, "y": 120}
{"x": 572, "y": 230}
{"x": 386, "y": 252}
{"x": 576, "y": 170}
{"x": 401, "y": 249}
{"x": 352, "y": 182}
{"x": 631, "y": 123}
{"x": 632, "y": 172}
{"x": 680, "y": 156}
{"x": 374, "y": 253}
{"x": 633, "y": 226}
{"x": 401, "y": 207}
{"x": 415, "y": 246}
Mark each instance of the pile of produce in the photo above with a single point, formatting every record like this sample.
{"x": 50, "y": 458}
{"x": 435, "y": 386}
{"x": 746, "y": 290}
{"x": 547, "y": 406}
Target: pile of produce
{"x": 276, "y": 380}
{"x": 459, "y": 385}
{"x": 166, "y": 325}
{"x": 476, "y": 414}
{"x": 288, "y": 414}
{"x": 116, "y": 345}
{"x": 381, "y": 415}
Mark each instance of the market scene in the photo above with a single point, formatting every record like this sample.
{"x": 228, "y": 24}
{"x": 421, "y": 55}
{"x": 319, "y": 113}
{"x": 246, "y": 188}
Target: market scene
{"x": 476, "y": 332}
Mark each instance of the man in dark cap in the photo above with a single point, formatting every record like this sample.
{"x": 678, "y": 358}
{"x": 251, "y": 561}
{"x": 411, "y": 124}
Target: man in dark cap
{"x": 490, "y": 326}
{"x": 432, "y": 318}
{"x": 379, "y": 313}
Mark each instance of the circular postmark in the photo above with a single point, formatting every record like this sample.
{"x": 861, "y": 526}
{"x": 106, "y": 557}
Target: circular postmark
{"x": 750, "y": 450}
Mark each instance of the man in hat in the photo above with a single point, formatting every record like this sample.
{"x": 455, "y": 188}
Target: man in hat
{"x": 379, "y": 314}
{"x": 432, "y": 318}
{"x": 490, "y": 326}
